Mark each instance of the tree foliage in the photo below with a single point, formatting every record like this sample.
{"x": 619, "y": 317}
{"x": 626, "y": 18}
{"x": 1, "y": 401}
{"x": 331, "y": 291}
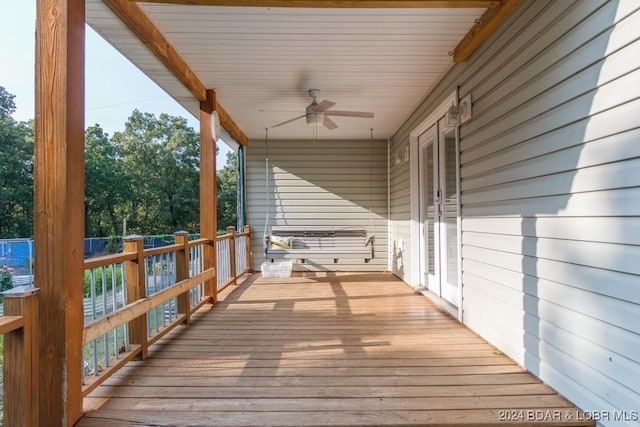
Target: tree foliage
{"x": 227, "y": 192}
{"x": 160, "y": 160}
{"x": 6, "y": 282}
{"x": 105, "y": 186}
{"x": 148, "y": 173}
{"x": 16, "y": 179}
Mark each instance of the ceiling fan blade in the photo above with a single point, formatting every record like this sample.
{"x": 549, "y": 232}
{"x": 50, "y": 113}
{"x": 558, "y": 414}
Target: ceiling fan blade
{"x": 328, "y": 123}
{"x": 349, "y": 114}
{"x": 289, "y": 121}
{"x": 321, "y": 107}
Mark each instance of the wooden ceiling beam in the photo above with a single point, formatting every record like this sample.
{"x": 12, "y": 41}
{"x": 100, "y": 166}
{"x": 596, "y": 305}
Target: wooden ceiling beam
{"x": 137, "y": 21}
{"x": 485, "y": 26}
{"x": 338, "y": 4}
{"x": 227, "y": 122}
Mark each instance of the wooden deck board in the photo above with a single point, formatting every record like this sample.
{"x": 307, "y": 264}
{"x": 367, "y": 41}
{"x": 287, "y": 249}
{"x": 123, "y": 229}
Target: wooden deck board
{"x": 343, "y": 349}
{"x": 242, "y": 392}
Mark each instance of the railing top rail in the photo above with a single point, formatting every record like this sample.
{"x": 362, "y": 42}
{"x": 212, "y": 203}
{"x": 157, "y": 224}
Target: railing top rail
{"x": 10, "y": 323}
{"x": 201, "y": 241}
{"x": 242, "y": 234}
{"x": 102, "y": 261}
{"x": 162, "y": 250}
{"x": 224, "y": 237}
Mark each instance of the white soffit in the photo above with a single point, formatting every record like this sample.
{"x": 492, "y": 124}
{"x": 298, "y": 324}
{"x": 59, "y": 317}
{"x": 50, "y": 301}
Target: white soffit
{"x": 261, "y": 61}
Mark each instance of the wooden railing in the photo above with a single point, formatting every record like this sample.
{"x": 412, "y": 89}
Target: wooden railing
{"x": 132, "y": 299}
{"x": 20, "y": 346}
{"x": 234, "y": 256}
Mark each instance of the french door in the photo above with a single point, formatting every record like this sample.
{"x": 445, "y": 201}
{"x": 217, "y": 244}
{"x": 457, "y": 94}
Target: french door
{"x": 439, "y": 212}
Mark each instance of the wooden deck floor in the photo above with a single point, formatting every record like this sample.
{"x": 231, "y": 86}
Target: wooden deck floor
{"x": 346, "y": 349}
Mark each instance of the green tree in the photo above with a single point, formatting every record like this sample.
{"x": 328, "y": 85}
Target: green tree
{"x": 227, "y": 192}
{"x": 6, "y": 282}
{"x": 160, "y": 159}
{"x": 104, "y": 184}
{"x": 16, "y": 179}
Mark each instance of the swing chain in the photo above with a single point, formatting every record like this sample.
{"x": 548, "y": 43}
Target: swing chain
{"x": 265, "y": 236}
{"x": 371, "y": 182}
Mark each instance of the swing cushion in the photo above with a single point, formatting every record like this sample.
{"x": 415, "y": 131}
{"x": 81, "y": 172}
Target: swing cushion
{"x": 284, "y": 242}
{"x": 319, "y": 243}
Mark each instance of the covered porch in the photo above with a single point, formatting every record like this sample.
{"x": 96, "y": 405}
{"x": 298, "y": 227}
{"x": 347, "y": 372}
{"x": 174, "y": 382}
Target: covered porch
{"x": 520, "y": 204}
{"x": 324, "y": 349}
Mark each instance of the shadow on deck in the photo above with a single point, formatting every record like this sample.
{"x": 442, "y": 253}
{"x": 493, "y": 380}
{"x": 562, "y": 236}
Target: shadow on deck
{"x": 325, "y": 349}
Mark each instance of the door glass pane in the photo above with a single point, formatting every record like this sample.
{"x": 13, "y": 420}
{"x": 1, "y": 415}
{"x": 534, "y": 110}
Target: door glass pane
{"x": 429, "y": 208}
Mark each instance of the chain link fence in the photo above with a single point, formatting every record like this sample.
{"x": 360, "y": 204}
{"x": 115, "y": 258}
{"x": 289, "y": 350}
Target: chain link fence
{"x": 16, "y": 260}
{"x": 16, "y": 255}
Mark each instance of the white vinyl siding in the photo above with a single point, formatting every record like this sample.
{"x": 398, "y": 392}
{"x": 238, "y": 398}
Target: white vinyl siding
{"x": 321, "y": 183}
{"x": 550, "y": 180}
{"x": 400, "y": 212}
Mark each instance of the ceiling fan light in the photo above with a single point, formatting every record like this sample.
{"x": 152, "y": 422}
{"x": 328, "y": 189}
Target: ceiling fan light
{"x": 314, "y": 118}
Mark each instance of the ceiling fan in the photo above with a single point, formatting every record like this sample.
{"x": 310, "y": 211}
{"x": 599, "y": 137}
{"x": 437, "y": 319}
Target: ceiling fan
{"x": 319, "y": 112}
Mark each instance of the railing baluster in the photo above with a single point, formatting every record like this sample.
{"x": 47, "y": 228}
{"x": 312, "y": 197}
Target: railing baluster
{"x": 219, "y": 268}
{"x": 154, "y": 289}
{"x": 200, "y": 269}
{"x": 239, "y": 254}
{"x": 125, "y": 328}
{"x": 173, "y": 276}
{"x": 228, "y": 261}
{"x": 247, "y": 230}
{"x": 104, "y": 313}
{"x": 147, "y": 282}
{"x": 163, "y": 284}
{"x": 162, "y": 276}
{"x": 190, "y": 253}
{"x": 219, "y": 265}
{"x": 233, "y": 276}
{"x": 156, "y": 263}
{"x": 222, "y": 265}
{"x": 223, "y": 262}
{"x": 94, "y": 345}
{"x": 193, "y": 291}
{"x": 114, "y": 290}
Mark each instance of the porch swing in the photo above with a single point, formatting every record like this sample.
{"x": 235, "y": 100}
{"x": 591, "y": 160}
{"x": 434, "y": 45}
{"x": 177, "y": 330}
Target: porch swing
{"x": 318, "y": 242}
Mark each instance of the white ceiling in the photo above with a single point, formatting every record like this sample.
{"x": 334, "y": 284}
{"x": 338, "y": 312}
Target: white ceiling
{"x": 262, "y": 61}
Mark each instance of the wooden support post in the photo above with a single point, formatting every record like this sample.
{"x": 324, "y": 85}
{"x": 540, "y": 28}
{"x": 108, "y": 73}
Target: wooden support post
{"x": 232, "y": 254}
{"x": 134, "y": 273}
{"x": 247, "y": 247}
{"x": 182, "y": 272}
{"x": 208, "y": 203}
{"x": 484, "y": 27}
{"x": 59, "y": 206}
{"x": 21, "y": 374}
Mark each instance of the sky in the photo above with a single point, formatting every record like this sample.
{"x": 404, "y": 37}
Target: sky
{"x": 114, "y": 86}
